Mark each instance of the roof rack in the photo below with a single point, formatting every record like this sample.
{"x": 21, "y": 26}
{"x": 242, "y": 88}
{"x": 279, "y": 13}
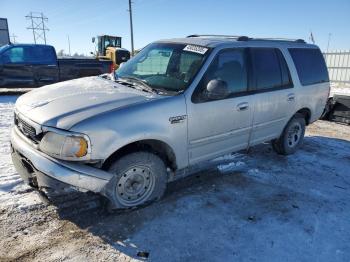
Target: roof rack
{"x": 236, "y": 37}
{"x": 280, "y": 39}
{"x": 246, "y": 38}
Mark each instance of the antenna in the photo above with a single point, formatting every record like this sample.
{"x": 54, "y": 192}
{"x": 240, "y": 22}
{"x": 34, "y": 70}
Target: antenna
{"x": 329, "y": 40}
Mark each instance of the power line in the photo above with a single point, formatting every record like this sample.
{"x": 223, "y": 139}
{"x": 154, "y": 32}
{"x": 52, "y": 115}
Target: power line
{"x": 38, "y": 26}
{"x": 131, "y": 29}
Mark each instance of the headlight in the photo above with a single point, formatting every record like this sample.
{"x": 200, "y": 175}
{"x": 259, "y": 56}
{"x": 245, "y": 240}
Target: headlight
{"x": 65, "y": 146}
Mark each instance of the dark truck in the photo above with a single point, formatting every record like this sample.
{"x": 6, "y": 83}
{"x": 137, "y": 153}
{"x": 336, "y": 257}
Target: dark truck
{"x": 30, "y": 66}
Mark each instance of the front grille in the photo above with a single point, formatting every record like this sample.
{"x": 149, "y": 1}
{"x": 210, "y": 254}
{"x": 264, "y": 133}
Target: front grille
{"x": 26, "y": 129}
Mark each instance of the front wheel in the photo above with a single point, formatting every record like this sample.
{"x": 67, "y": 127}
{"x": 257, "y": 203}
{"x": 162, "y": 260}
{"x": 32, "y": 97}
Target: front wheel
{"x": 292, "y": 136}
{"x": 139, "y": 178}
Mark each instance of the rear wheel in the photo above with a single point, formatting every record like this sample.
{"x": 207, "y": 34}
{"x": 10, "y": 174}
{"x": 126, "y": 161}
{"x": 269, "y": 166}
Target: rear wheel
{"x": 292, "y": 136}
{"x": 140, "y": 178}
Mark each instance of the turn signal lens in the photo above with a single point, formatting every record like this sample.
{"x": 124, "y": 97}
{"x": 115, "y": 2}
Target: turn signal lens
{"x": 83, "y": 148}
{"x": 74, "y": 146}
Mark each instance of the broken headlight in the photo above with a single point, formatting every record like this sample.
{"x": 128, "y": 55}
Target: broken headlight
{"x": 65, "y": 146}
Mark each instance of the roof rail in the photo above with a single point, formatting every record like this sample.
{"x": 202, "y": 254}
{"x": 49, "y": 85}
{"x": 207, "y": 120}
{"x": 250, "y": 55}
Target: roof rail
{"x": 246, "y": 38}
{"x": 236, "y": 37}
{"x": 280, "y": 39}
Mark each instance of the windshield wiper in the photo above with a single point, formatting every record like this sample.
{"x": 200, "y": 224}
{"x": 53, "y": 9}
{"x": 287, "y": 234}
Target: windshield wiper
{"x": 142, "y": 83}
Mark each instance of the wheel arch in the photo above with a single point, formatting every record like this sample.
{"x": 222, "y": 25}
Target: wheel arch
{"x": 306, "y": 113}
{"x": 158, "y": 147}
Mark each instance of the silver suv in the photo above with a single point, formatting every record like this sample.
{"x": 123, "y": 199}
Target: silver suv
{"x": 174, "y": 106}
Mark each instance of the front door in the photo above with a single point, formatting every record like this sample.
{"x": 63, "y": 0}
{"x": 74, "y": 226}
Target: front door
{"x": 15, "y": 68}
{"x": 216, "y": 127}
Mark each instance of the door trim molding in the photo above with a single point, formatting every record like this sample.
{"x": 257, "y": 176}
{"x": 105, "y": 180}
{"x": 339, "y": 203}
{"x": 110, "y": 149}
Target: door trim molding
{"x": 214, "y": 138}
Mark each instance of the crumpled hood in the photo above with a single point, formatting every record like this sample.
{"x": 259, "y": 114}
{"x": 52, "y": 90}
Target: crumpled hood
{"x": 64, "y": 104}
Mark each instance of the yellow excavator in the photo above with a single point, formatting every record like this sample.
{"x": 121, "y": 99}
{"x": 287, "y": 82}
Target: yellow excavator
{"x": 110, "y": 47}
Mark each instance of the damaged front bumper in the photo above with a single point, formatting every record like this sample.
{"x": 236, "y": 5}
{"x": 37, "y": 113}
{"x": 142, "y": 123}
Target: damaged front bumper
{"x": 41, "y": 170}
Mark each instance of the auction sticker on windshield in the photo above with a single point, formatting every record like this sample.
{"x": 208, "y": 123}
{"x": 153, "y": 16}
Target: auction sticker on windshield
{"x": 196, "y": 49}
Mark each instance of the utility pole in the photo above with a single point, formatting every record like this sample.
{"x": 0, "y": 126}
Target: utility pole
{"x": 38, "y": 26}
{"x": 14, "y": 38}
{"x": 131, "y": 29}
{"x": 69, "y": 45}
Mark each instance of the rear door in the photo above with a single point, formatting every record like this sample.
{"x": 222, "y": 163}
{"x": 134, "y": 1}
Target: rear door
{"x": 15, "y": 68}
{"x": 45, "y": 67}
{"x": 216, "y": 127}
{"x": 274, "y": 99}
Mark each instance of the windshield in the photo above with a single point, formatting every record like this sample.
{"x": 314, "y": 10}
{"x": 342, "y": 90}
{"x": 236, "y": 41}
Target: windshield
{"x": 165, "y": 66}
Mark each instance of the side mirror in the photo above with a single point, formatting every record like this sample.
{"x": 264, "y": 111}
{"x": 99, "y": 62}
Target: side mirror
{"x": 93, "y": 40}
{"x": 217, "y": 89}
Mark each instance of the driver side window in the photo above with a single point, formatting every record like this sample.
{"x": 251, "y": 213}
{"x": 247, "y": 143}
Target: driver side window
{"x": 228, "y": 66}
{"x": 16, "y": 55}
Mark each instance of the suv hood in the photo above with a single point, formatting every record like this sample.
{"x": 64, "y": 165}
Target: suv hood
{"x": 64, "y": 104}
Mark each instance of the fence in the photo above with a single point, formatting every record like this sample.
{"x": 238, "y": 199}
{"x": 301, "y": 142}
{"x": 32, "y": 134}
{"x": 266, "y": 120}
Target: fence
{"x": 338, "y": 64}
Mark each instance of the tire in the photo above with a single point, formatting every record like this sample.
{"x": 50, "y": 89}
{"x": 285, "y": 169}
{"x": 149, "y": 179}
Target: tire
{"x": 291, "y": 137}
{"x": 139, "y": 179}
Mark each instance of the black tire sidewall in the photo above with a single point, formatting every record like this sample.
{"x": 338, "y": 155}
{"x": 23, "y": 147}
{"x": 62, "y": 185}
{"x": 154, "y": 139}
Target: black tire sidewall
{"x": 286, "y": 148}
{"x": 151, "y": 161}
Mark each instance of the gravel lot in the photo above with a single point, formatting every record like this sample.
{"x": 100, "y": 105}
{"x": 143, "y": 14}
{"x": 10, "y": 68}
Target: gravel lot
{"x": 258, "y": 206}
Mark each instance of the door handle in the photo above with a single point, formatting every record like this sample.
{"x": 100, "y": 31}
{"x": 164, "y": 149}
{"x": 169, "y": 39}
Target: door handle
{"x": 242, "y": 106}
{"x": 291, "y": 97}
{"x": 47, "y": 79}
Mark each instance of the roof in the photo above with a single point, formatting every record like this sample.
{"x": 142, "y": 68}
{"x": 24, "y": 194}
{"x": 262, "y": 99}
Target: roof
{"x": 27, "y": 45}
{"x": 213, "y": 41}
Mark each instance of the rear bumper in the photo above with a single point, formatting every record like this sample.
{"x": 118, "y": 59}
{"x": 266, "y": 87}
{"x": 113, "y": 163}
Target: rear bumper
{"x": 45, "y": 171}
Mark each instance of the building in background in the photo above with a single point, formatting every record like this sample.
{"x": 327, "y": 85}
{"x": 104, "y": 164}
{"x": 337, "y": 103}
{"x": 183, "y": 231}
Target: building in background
{"x": 4, "y": 32}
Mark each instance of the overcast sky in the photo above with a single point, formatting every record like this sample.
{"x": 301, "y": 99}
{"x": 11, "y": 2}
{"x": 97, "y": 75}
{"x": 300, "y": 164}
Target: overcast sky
{"x": 158, "y": 19}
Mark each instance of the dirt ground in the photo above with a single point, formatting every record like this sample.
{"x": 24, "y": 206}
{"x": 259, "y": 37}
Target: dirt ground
{"x": 258, "y": 206}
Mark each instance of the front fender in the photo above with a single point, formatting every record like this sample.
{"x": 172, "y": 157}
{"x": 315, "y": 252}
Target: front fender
{"x": 113, "y": 130}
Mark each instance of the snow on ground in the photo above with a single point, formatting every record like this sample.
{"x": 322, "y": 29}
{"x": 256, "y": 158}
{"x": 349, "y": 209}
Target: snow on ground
{"x": 257, "y": 206}
{"x": 10, "y": 181}
{"x": 340, "y": 89}
{"x": 8, "y": 177}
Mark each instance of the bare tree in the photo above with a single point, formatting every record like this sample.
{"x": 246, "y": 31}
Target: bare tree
{"x": 61, "y": 53}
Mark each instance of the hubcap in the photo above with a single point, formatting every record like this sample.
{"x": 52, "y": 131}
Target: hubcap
{"x": 294, "y": 135}
{"x": 135, "y": 186}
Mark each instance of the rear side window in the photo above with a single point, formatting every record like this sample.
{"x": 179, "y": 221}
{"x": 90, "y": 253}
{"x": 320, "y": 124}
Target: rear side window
{"x": 310, "y": 65}
{"x": 270, "y": 69}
